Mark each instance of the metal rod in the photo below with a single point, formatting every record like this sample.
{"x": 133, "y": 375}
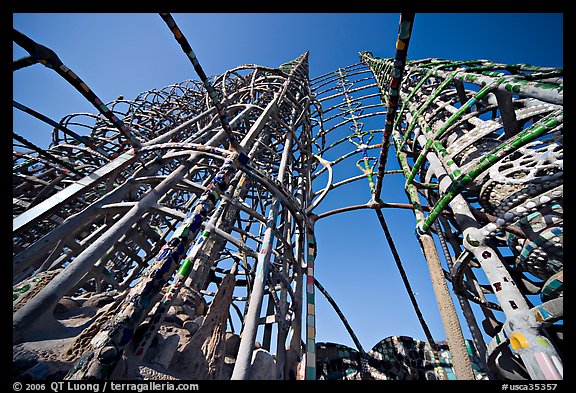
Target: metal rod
{"x": 47, "y": 57}
{"x": 340, "y": 315}
{"x": 402, "y": 44}
{"x": 405, "y": 280}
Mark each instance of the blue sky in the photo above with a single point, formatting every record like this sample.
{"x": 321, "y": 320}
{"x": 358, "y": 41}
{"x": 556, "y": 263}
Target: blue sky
{"x": 125, "y": 54}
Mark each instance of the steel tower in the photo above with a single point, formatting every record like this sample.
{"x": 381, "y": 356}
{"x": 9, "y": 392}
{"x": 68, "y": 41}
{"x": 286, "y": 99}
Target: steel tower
{"x": 172, "y": 236}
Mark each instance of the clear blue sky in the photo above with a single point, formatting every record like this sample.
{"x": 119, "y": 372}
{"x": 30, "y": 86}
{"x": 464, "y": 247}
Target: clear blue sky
{"x": 125, "y": 54}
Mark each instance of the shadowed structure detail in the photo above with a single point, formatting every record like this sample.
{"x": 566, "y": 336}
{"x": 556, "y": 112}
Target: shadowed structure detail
{"x": 172, "y": 236}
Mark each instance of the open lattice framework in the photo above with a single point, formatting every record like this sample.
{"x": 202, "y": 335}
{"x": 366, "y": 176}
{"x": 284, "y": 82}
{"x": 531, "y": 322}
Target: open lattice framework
{"x": 158, "y": 237}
